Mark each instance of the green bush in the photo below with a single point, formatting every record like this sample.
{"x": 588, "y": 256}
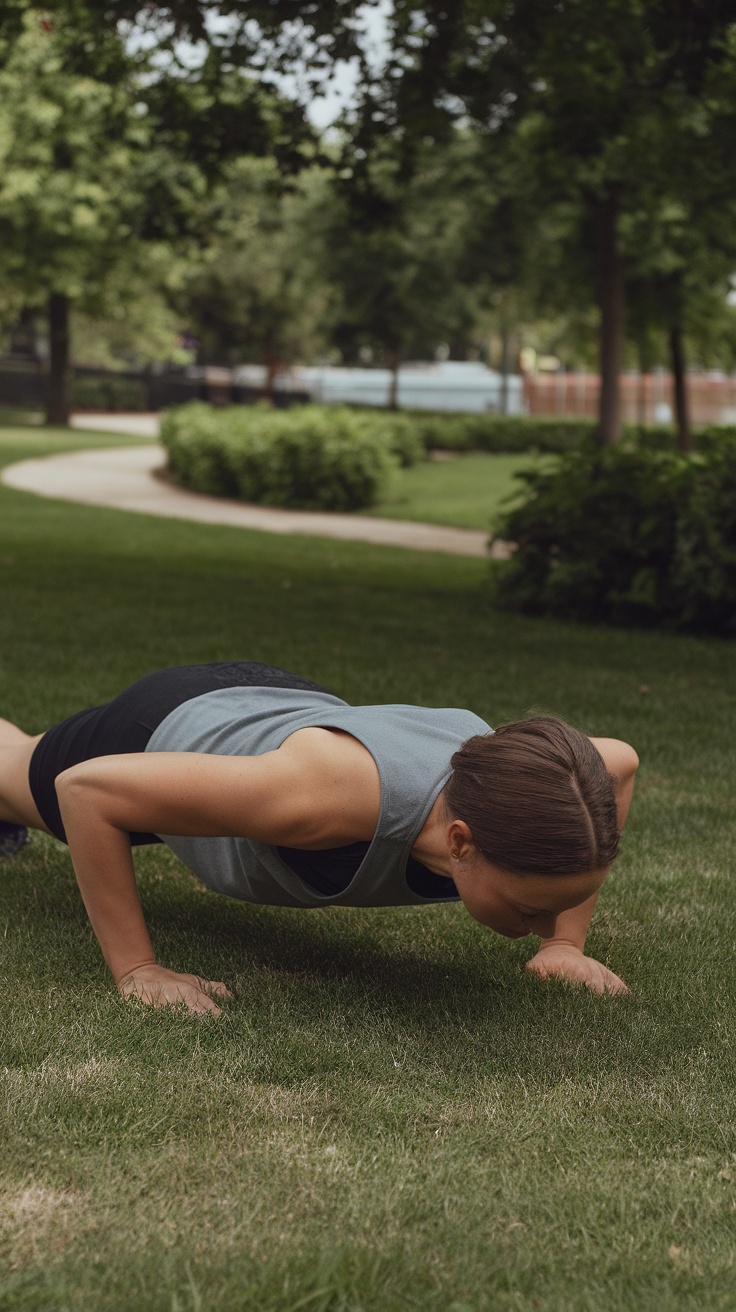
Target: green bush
{"x": 704, "y": 570}
{"x": 401, "y": 432}
{"x": 627, "y": 535}
{"x": 310, "y": 457}
{"x": 198, "y": 449}
{"x": 522, "y": 433}
{"x": 499, "y": 433}
{"x": 715, "y": 437}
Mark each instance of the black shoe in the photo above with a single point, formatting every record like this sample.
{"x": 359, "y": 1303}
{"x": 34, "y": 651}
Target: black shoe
{"x": 12, "y": 838}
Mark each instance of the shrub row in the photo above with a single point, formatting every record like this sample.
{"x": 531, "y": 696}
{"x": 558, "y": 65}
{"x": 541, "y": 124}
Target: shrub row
{"x": 627, "y": 535}
{"x": 309, "y": 457}
{"x": 498, "y": 433}
{"x": 522, "y": 433}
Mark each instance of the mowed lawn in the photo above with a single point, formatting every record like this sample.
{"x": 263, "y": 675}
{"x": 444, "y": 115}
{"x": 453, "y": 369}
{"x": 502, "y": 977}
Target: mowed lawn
{"x": 463, "y": 490}
{"x": 389, "y": 1115}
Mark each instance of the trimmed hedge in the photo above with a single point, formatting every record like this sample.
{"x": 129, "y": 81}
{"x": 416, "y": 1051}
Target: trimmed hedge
{"x": 436, "y": 430}
{"x": 308, "y": 457}
{"x": 499, "y": 433}
{"x": 629, "y": 536}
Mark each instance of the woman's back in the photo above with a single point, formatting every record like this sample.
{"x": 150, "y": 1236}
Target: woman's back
{"x": 411, "y": 747}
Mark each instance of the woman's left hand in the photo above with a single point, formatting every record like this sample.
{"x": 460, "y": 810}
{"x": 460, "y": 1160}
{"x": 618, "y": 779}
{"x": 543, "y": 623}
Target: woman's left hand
{"x": 159, "y": 987}
{"x": 565, "y": 961}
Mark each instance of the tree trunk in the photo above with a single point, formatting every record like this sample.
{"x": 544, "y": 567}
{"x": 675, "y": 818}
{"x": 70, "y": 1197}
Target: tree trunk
{"x": 641, "y": 395}
{"x": 682, "y": 411}
{"x": 272, "y": 366}
{"x": 505, "y": 369}
{"x": 58, "y": 401}
{"x": 611, "y": 303}
{"x": 393, "y": 391}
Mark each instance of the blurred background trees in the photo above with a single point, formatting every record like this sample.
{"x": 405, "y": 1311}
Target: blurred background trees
{"x": 504, "y": 175}
{"x": 260, "y": 292}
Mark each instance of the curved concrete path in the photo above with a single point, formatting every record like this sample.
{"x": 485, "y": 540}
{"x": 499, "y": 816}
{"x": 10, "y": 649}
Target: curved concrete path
{"x": 129, "y": 478}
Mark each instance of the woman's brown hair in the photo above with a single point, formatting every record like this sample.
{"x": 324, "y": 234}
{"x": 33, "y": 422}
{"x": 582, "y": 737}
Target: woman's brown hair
{"x": 536, "y": 797}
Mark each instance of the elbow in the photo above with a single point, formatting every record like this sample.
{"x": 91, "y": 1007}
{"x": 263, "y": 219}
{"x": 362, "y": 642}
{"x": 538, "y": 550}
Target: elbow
{"x": 72, "y": 785}
{"x": 631, "y": 761}
{"x": 69, "y": 779}
{"x": 625, "y": 763}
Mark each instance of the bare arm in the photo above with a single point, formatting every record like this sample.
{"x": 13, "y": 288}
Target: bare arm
{"x": 103, "y": 864}
{"x": 564, "y": 953}
{"x": 318, "y": 789}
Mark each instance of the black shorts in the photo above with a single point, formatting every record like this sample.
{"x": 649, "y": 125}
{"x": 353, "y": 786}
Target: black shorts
{"x": 126, "y": 723}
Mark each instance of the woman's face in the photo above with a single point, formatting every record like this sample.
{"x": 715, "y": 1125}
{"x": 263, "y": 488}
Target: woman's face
{"x": 515, "y": 905}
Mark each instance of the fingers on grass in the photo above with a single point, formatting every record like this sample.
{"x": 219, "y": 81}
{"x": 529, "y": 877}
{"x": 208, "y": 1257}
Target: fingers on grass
{"x": 608, "y": 983}
{"x": 203, "y": 1006}
{"x": 535, "y": 968}
{"x": 197, "y": 1000}
{"x": 189, "y": 996}
{"x": 216, "y": 988}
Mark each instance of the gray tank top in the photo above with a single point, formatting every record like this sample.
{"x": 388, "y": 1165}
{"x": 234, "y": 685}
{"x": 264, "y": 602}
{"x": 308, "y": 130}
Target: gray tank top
{"x": 411, "y": 745}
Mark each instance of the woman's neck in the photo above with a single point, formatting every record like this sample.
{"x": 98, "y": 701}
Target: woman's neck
{"x": 431, "y": 843}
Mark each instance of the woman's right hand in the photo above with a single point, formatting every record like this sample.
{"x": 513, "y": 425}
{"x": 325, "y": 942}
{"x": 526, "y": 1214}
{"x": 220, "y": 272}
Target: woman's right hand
{"x": 159, "y": 987}
{"x": 567, "y": 962}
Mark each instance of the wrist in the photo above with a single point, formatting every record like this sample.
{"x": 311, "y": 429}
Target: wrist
{"x": 122, "y": 976}
{"x": 559, "y": 941}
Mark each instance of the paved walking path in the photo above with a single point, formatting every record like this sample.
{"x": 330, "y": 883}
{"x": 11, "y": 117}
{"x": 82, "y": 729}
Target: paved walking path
{"x": 143, "y": 424}
{"x": 128, "y": 478}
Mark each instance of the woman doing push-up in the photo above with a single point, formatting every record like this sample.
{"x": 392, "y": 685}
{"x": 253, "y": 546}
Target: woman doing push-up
{"x": 273, "y": 790}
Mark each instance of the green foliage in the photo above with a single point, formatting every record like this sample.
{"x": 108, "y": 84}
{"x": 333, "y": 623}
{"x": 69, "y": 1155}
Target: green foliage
{"x": 483, "y": 432}
{"x": 311, "y": 457}
{"x": 260, "y": 292}
{"x": 715, "y": 436}
{"x": 66, "y": 145}
{"x": 521, "y": 433}
{"x": 403, "y": 433}
{"x": 604, "y": 131}
{"x": 627, "y": 535}
{"x": 394, "y": 243}
{"x": 704, "y": 571}
{"x": 137, "y": 325}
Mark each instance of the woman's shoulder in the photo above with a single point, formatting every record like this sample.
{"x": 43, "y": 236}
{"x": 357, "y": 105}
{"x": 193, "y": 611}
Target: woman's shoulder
{"x": 432, "y": 718}
{"x": 620, "y": 757}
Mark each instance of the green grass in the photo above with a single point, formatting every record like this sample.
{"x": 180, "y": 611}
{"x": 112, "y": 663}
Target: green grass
{"x": 26, "y": 443}
{"x": 390, "y": 1115}
{"x": 20, "y": 418}
{"x": 466, "y": 491}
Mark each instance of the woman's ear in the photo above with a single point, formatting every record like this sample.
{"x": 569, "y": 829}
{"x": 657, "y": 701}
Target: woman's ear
{"x": 459, "y": 840}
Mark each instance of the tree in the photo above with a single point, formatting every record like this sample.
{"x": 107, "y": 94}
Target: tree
{"x": 99, "y": 172}
{"x": 576, "y": 94}
{"x": 260, "y": 292}
{"x": 682, "y": 239}
{"x": 394, "y": 246}
{"x": 65, "y": 196}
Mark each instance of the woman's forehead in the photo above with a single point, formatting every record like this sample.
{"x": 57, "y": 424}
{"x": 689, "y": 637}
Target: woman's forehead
{"x": 548, "y": 892}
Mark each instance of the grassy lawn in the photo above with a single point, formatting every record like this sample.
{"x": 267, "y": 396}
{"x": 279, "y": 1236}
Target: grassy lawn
{"x": 466, "y": 490}
{"x": 390, "y": 1115}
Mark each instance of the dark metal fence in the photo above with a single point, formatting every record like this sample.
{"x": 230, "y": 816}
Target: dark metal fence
{"x": 23, "y": 385}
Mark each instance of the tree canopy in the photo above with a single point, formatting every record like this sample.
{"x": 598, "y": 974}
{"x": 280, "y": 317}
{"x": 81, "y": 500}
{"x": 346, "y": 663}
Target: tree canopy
{"x": 505, "y": 159}
{"x": 102, "y": 172}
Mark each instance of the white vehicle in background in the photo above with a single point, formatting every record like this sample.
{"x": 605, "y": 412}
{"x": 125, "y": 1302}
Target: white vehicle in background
{"x": 446, "y": 385}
